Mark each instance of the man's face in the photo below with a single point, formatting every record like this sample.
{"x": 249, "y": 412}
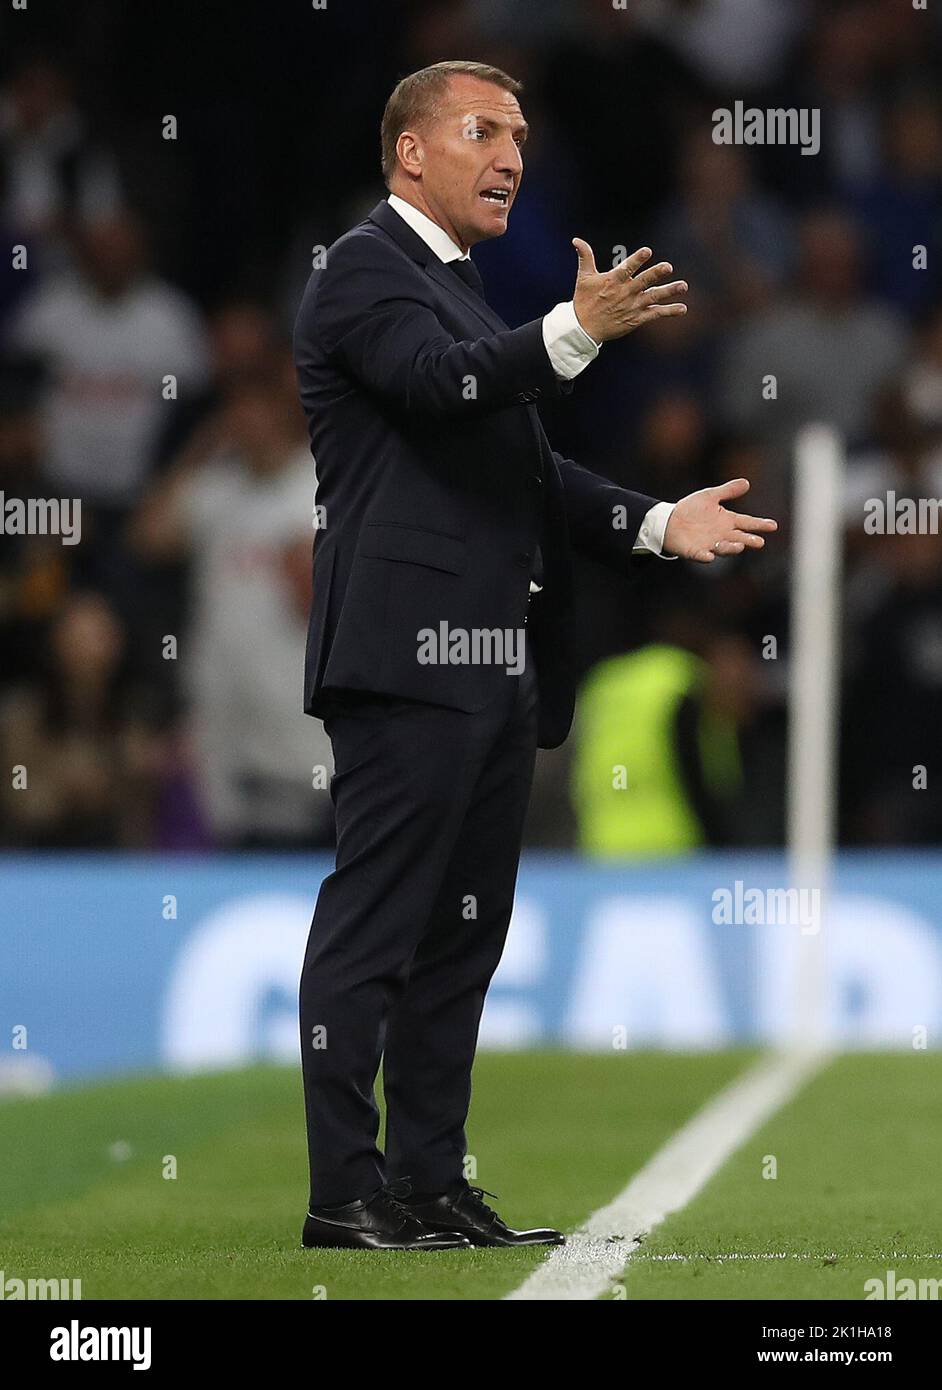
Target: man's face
{"x": 466, "y": 166}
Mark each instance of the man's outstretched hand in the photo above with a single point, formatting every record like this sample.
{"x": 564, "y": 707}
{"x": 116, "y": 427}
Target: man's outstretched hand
{"x": 611, "y": 303}
{"x": 700, "y": 527}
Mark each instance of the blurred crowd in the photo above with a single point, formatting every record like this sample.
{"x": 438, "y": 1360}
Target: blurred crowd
{"x": 150, "y": 676}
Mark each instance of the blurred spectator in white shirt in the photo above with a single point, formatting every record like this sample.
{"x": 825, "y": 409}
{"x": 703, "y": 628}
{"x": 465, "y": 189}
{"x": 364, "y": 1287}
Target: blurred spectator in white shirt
{"x": 109, "y": 336}
{"x": 245, "y": 514}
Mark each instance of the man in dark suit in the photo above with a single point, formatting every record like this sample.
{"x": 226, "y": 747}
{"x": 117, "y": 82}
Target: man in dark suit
{"x": 438, "y": 650}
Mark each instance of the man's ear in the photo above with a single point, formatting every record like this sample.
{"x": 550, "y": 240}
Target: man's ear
{"x": 410, "y": 152}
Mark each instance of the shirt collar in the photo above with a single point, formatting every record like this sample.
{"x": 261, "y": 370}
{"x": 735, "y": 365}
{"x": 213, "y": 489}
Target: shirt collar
{"x": 434, "y": 236}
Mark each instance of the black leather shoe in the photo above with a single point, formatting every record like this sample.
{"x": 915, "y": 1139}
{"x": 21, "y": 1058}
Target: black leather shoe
{"x": 466, "y": 1211}
{"x": 378, "y": 1222}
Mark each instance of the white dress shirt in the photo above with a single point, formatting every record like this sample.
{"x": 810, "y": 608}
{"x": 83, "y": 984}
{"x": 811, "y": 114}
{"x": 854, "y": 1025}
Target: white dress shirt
{"x": 568, "y": 346}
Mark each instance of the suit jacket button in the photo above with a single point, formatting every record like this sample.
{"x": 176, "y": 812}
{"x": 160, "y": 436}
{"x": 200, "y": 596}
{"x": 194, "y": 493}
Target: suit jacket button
{"x": 522, "y": 557}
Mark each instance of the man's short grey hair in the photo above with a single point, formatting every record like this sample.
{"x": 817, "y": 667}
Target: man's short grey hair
{"x": 415, "y": 100}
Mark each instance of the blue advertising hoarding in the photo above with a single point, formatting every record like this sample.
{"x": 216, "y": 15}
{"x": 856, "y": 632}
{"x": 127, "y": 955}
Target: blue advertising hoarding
{"x": 115, "y": 964}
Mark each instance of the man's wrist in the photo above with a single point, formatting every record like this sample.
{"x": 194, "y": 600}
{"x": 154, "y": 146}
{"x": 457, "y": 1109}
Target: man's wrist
{"x": 595, "y": 343}
{"x": 568, "y": 345}
{"x": 652, "y": 530}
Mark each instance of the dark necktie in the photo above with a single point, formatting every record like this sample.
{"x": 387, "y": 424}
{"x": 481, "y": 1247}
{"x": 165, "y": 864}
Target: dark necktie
{"x": 468, "y": 272}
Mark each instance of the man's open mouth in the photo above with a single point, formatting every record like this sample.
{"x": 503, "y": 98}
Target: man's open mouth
{"x": 500, "y": 196}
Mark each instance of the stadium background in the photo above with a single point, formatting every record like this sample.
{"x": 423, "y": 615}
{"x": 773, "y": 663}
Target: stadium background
{"x": 158, "y": 874}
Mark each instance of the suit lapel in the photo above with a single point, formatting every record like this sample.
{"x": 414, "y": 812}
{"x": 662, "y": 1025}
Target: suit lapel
{"x": 440, "y": 273}
{"x": 409, "y": 241}
{"x": 412, "y": 244}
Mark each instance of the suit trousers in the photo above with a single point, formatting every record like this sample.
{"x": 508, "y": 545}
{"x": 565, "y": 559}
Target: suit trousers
{"x": 409, "y": 929}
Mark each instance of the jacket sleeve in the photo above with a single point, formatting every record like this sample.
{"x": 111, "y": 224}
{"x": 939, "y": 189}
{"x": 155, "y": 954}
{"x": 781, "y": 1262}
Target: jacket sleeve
{"x": 604, "y": 519}
{"x": 374, "y": 318}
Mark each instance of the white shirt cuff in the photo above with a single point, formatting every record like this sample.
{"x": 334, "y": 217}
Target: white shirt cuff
{"x": 568, "y": 345}
{"x": 651, "y": 531}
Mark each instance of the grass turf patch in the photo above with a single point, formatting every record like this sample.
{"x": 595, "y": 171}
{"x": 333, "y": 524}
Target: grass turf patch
{"x": 856, "y": 1195}
{"x": 83, "y": 1195}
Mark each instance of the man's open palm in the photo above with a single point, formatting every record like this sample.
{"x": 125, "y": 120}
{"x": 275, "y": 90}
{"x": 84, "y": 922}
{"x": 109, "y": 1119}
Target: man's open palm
{"x": 700, "y": 527}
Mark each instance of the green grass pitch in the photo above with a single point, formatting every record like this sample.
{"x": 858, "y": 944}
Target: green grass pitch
{"x": 83, "y": 1193}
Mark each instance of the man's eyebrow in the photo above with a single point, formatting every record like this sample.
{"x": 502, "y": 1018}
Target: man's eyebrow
{"x": 521, "y": 129}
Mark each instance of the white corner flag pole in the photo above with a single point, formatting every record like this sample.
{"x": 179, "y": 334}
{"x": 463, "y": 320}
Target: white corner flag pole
{"x": 813, "y": 707}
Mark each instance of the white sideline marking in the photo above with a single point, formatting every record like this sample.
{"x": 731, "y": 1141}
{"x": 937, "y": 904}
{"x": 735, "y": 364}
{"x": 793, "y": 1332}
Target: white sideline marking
{"x": 596, "y": 1254}
{"x": 822, "y": 1258}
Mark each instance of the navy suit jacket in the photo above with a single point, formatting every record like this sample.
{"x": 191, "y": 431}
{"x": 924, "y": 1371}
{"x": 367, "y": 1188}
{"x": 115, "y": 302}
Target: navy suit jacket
{"x": 437, "y": 480}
